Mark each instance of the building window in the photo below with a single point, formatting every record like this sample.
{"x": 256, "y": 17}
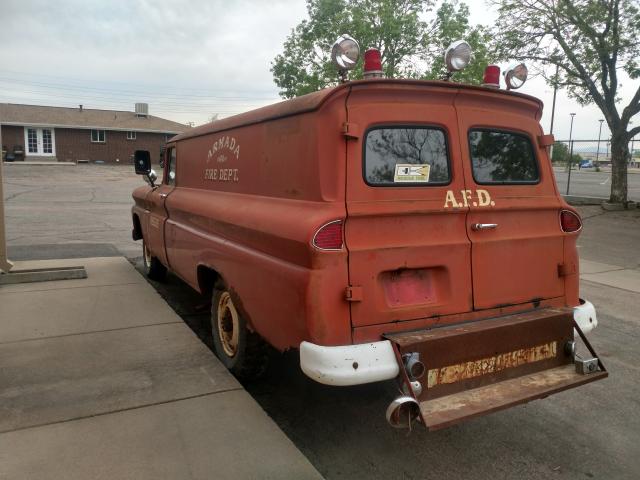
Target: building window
{"x": 131, "y": 135}
{"x": 98, "y": 136}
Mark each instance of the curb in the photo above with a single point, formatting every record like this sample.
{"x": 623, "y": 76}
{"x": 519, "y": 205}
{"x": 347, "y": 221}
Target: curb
{"x": 578, "y": 200}
{"x": 603, "y": 202}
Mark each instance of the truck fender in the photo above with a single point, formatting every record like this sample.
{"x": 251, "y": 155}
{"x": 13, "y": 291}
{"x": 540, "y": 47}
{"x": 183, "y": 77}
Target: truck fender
{"x": 136, "y": 232}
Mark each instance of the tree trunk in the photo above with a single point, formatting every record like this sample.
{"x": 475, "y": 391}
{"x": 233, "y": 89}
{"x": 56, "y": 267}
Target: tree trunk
{"x": 619, "y": 158}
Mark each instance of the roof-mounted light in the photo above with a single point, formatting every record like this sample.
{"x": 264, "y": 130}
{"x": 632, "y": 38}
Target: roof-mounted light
{"x": 372, "y": 63}
{"x": 345, "y": 54}
{"x": 515, "y": 76}
{"x": 457, "y": 56}
{"x": 491, "y": 76}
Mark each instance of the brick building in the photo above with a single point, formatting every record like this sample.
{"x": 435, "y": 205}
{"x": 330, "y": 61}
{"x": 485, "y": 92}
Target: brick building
{"x": 40, "y": 133}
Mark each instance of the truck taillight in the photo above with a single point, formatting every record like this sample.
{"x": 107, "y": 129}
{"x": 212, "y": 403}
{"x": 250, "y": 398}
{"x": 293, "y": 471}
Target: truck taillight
{"x": 329, "y": 236}
{"x": 569, "y": 221}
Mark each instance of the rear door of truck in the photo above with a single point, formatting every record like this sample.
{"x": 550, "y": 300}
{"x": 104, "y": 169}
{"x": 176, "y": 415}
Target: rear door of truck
{"x": 409, "y": 254}
{"x": 513, "y": 222}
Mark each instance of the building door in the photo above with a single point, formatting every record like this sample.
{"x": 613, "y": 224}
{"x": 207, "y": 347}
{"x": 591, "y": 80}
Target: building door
{"x": 39, "y": 142}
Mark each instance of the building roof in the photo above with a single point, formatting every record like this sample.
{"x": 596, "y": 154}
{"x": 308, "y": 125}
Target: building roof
{"x": 87, "y": 118}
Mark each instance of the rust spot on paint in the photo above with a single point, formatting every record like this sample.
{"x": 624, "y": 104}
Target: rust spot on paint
{"x": 485, "y": 366}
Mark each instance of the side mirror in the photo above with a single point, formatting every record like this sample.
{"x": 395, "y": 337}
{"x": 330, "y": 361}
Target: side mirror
{"x": 151, "y": 178}
{"x": 142, "y": 162}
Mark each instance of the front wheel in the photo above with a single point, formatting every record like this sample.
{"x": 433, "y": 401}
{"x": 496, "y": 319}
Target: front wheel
{"x": 243, "y": 352}
{"x": 153, "y": 268}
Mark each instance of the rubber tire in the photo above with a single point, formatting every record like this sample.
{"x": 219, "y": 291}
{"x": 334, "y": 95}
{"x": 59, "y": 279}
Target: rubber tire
{"x": 251, "y": 359}
{"x": 153, "y": 268}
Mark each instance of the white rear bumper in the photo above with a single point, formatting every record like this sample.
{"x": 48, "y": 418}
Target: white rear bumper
{"x": 376, "y": 361}
{"x": 585, "y": 316}
{"x": 349, "y": 364}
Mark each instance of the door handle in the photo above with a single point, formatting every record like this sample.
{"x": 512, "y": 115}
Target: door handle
{"x": 483, "y": 226}
{"x": 163, "y": 195}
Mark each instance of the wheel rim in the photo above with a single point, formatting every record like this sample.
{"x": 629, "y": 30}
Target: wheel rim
{"x": 147, "y": 255}
{"x": 228, "y": 325}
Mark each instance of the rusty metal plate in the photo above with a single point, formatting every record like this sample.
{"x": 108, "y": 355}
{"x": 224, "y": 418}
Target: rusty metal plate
{"x": 443, "y": 412}
{"x": 471, "y": 355}
{"x": 489, "y": 365}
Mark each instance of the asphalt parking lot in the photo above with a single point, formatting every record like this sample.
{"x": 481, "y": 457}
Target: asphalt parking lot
{"x": 589, "y": 183}
{"x": 590, "y": 432}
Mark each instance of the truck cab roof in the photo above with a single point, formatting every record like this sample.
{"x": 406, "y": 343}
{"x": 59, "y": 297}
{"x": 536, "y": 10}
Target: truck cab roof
{"x": 314, "y": 101}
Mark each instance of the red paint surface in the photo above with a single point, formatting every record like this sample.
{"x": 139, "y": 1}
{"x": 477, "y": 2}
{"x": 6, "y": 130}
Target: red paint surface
{"x": 418, "y": 263}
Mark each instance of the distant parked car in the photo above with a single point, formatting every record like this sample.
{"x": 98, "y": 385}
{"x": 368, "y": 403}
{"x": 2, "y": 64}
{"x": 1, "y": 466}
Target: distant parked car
{"x": 586, "y": 164}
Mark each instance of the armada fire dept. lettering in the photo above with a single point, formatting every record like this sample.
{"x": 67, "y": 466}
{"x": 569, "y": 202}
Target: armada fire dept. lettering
{"x": 225, "y": 142}
{"x": 221, "y": 174}
{"x": 231, "y": 146}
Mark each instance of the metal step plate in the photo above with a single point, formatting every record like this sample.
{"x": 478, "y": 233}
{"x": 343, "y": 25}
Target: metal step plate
{"x": 451, "y": 409}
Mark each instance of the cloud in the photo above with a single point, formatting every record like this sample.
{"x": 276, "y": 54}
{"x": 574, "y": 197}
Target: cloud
{"x": 205, "y": 49}
{"x": 187, "y": 59}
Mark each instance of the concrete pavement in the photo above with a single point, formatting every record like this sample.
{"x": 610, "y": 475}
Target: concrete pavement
{"x": 610, "y": 275}
{"x": 101, "y": 379}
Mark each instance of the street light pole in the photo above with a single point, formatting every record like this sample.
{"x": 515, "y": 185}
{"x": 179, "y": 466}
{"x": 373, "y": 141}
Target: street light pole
{"x": 598, "y": 151}
{"x": 570, "y": 151}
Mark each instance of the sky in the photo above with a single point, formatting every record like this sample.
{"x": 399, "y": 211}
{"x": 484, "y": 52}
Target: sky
{"x": 189, "y": 60}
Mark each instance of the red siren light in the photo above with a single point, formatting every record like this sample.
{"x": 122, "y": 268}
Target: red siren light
{"x": 491, "y": 76}
{"x": 372, "y": 63}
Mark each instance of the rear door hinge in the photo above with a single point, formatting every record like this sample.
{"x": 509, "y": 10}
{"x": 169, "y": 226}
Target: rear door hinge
{"x": 353, "y": 294}
{"x": 564, "y": 269}
{"x": 546, "y": 140}
{"x": 350, "y": 130}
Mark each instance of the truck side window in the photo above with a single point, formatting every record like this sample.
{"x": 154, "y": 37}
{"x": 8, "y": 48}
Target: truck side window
{"x": 406, "y": 156}
{"x": 500, "y": 157}
{"x": 171, "y": 166}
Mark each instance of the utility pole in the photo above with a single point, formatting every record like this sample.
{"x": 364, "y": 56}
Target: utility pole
{"x": 598, "y": 150}
{"x": 553, "y": 109}
{"x": 553, "y": 105}
{"x": 570, "y": 151}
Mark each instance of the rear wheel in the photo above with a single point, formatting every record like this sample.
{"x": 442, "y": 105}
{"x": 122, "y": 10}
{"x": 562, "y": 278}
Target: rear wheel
{"x": 243, "y": 352}
{"x": 153, "y": 268}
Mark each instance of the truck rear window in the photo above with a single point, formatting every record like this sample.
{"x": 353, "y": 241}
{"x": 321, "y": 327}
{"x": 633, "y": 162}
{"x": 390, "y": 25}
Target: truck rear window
{"x": 406, "y": 156}
{"x": 502, "y": 157}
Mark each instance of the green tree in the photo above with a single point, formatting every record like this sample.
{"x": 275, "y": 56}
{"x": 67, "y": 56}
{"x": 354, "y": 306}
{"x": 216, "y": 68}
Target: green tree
{"x": 393, "y": 26}
{"x": 411, "y": 47}
{"x": 560, "y": 153}
{"x": 452, "y": 23}
{"x": 589, "y": 41}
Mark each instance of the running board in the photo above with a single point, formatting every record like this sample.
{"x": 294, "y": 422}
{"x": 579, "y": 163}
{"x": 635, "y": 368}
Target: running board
{"x": 446, "y": 411}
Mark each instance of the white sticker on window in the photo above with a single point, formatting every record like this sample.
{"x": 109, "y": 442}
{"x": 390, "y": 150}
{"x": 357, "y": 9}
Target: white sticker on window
{"x": 408, "y": 172}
